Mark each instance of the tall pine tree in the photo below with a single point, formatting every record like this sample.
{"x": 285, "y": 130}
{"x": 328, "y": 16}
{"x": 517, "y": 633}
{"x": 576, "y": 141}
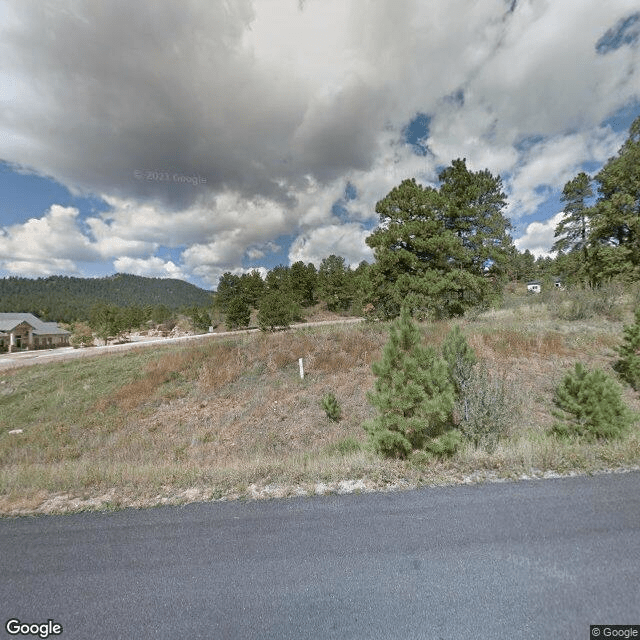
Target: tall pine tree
{"x": 474, "y": 202}
{"x": 615, "y": 219}
{"x": 433, "y": 245}
{"x": 572, "y": 230}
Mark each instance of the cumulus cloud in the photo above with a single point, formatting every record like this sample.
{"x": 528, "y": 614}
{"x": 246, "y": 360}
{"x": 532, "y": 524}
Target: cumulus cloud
{"x": 42, "y": 267}
{"x": 539, "y": 236}
{"x": 347, "y": 240}
{"x": 150, "y": 267}
{"x": 50, "y": 244}
{"x": 218, "y": 127}
{"x": 550, "y": 163}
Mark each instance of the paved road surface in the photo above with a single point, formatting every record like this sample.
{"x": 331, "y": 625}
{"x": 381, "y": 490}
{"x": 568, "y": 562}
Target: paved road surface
{"x": 40, "y": 356}
{"x": 536, "y": 559}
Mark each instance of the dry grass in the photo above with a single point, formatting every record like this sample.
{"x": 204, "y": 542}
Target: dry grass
{"x": 231, "y": 418}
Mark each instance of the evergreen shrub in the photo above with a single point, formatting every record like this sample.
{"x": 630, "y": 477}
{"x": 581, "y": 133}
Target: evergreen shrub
{"x": 391, "y": 444}
{"x": 413, "y": 393}
{"x": 446, "y": 445}
{"x": 590, "y": 405}
{"x": 628, "y": 366}
{"x": 331, "y": 407}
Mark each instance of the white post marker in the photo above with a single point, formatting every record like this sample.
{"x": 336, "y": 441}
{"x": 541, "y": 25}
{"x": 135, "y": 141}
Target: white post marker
{"x": 301, "y": 369}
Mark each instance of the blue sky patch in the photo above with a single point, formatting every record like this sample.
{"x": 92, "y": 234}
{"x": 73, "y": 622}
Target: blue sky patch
{"x": 26, "y": 195}
{"x": 417, "y": 132}
{"x": 625, "y": 31}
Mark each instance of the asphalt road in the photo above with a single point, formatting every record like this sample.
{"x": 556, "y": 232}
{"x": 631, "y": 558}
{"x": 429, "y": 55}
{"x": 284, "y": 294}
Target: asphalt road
{"x": 42, "y": 356}
{"x": 534, "y": 559}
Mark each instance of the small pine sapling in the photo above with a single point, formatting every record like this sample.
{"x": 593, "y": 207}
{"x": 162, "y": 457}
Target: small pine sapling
{"x": 331, "y": 407}
{"x": 590, "y": 405}
{"x": 413, "y": 393}
{"x": 628, "y": 366}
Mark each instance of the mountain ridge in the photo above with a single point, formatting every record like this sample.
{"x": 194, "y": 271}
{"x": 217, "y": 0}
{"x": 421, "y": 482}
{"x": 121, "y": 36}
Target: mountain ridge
{"x": 70, "y": 298}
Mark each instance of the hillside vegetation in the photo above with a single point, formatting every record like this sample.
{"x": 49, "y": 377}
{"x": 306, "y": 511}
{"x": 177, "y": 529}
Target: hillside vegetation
{"x": 523, "y": 386}
{"x": 68, "y": 299}
{"x": 231, "y": 417}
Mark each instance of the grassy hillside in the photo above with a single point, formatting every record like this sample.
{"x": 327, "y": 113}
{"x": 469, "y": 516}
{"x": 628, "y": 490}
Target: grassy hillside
{"x": 231, "y": 418}
{"x": 65, "y": 299}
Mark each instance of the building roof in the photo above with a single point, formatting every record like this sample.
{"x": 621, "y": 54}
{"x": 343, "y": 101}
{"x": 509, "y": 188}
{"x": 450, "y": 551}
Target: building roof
{"x": 9, "y": 321}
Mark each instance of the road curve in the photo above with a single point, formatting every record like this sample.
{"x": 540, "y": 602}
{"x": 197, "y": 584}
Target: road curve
{"x": 29, "y": 358}
{"x": 533, "y": 559}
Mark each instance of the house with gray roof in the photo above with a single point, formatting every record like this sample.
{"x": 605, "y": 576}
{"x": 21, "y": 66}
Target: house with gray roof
{"x": 20, "y": 331}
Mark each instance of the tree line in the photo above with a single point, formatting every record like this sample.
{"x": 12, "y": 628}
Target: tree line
{"x": 439, "y": 250}
{"x": 598, "y": 237}
{"x": 286, "y": 291}
{"x": 69, "y": 299}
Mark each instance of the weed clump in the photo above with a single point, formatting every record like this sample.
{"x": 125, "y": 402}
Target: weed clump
{"x": 460, "y": 358}
{"x": 345, "y": 446}
{"x": 584, "y": 303}
{"x": 486, "y": 408}
{"x": 485, "y": 404}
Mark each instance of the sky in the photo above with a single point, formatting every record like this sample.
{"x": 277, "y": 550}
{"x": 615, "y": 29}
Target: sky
{"x": 187, "y": 139}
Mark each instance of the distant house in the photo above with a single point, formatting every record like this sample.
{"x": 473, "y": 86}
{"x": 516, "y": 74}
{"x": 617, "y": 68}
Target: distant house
{"x": 534, "y": 286}
{"x": 21, "y": 331}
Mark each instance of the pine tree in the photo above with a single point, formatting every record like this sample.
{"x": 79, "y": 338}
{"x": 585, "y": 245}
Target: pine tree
{"x": 614, "y": 233}
{"x": 590, "y": 406}
{"x": 473, "y": 211}
{"x": 334, "y": 283}
{"x": 304, "y": 283}
{"x": 460, "y": 358}
{"x": 252, "y": 287}
{"x": 571, "y": 231}
{"x": 238, "y": 313}
{"x": 628, "y": 366}
{"x": 413, "y": 394}
{"x": 229, "y": 287}
{"x": 432, "y": 246}
{"x": 416, "y": 255}
{"x": 276, "y": 311}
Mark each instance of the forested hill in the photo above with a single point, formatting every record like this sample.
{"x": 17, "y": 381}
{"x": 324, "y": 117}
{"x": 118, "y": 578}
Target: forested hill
{"x": 66, "y": 299}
